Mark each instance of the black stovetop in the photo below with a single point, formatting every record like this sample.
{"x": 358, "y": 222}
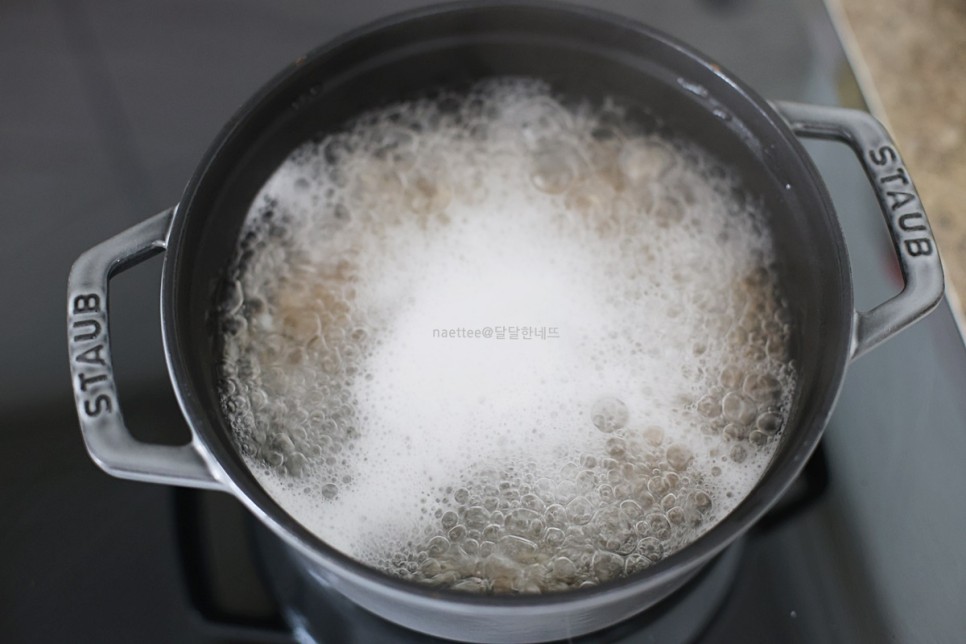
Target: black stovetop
{"x": 105, "y": 109}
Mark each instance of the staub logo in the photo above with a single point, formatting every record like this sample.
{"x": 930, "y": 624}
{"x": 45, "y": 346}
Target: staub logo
{"x": 88, "y": 348}
{"x": 902, "y": 201}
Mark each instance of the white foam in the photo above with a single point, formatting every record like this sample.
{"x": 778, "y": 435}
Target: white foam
{"x": 422, "y": 454}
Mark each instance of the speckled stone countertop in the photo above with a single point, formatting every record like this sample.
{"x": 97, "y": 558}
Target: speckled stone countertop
{"x": 915, "y": 52}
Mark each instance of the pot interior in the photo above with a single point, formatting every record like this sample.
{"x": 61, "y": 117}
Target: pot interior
{"x": 582, "y": 55}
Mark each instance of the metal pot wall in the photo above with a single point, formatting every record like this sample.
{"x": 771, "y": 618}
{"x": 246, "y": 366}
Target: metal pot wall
{"x": 580, "y": 53}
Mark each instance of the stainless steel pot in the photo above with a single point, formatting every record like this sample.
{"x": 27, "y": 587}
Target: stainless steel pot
{"x": 580, "y": 52}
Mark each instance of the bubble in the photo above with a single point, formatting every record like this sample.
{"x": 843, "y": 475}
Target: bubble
{"x": 427, "y": 192}
{"x": 500, "y": 571}
{"x": 437, "y": 546}
{"x": 544, "y": 489}
{"x": 580, "y": 511}
{"x": 524, "y": 523}
{"x": 274, "y": 459}
{"x": 587, "y": 479}
{"x": 651, "y": 547}
{"x": 666, "y": 213}
{"x": 757, "y": 438}
{"x": 632, "y": 509}
{"x": 554, "y": 536}
{"x": 235, "y": 298}
{"x": 592, "y": 198}
{"x": 518, "y": 548}
{"x": 609, "y": 414}
{"x": 616, "y": 447}
{"x": 738, "y": 409}
{"x": 493, "y": 531}
{"x": 430, "y": 568}
{"x": 635, "y": 563}
{"x": 447, "y": 578}
{"x": 701, "y": 500}
{"x": 734, "y": 432}
{"x": 448, "y": 520}
{"x": 533, "y": 502}
{"x": 645, "y": 160}
{"x": 731, "y": 377}
{"x": 679, "y": 456}
{"x": 396, "y": 145}
{"x": 607, "y": 565}
{"x": 658, "y": 526}
{"x": 486, "y": 548}
{"x": 769, "y": 423}
{"x": 470, "y": 585}
{"x": 564, "y": 569}
{"x": 676, "y": 516}
{"x": 556, "y": 515}
{"x": 476, "y": 517}
{"x": 709, "y": 406}
{"x": 654, "y": 435}
{"x": 553, "y": 167}
{"x": 644, "y": 499}
{"x": 762, "y": 387}
{"x": 658, "y": 486}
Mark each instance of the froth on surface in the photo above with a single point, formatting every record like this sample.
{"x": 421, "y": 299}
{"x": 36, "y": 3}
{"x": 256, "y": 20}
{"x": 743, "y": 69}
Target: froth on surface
{"x": 498, "y": 464}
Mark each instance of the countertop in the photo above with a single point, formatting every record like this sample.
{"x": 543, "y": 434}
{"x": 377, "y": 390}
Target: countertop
{"x": 915, "y": 54}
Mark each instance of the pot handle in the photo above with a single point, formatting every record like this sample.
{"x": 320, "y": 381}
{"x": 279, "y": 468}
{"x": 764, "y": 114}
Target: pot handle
{"x": 108, "y": 440}
{"x": 901, "y": 207}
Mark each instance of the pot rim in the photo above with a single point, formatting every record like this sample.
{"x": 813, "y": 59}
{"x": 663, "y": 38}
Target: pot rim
{"x": 242, "y": 484}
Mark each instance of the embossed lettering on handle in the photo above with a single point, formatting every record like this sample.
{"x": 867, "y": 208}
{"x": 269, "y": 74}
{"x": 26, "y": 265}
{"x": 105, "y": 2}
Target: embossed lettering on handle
{"x": 108, "y": 440}
{"x": 87, "y": 327}
{"x": 901, "y": 207}
{"x": 902, "y": 201}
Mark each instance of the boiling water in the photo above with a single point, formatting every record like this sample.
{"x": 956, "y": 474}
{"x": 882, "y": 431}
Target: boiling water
{"x": 493, "y": 343}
